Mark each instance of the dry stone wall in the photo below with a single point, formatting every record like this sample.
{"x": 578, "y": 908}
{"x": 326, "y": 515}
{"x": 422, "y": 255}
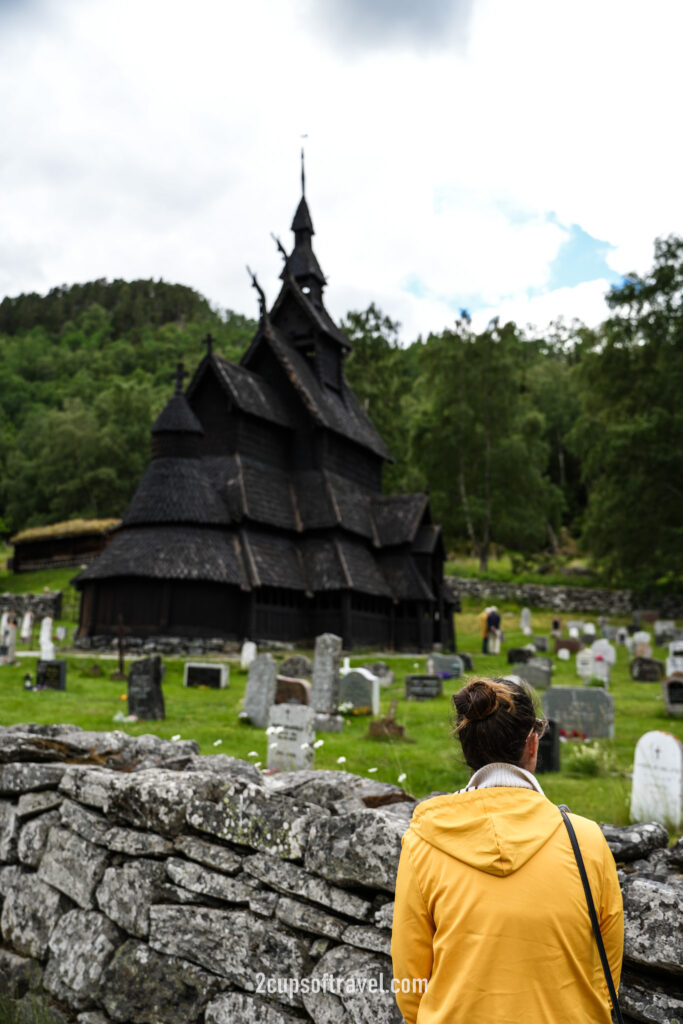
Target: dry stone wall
{"x": 141, "y": 883}
{"x": 48, "y": 603}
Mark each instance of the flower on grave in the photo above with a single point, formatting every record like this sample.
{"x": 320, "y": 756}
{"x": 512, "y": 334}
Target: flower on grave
{"x": 174, "y": 739}
{"x": 270, "y": 730}
{"x": 402, "y": 777}
{"x": 318, "y": 744}
{"x": 345, "y": 708}
{"x": 217, "y": 743}
{"x": 305, "y": 746}
{"x": 372, "y": 770}
{"x": 341, "y": 760}
{"x": 252, "y": 753}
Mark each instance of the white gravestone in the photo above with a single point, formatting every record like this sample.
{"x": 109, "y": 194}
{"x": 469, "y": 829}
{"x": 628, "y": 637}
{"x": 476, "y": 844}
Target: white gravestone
{"x": 576, "y": 624}
{"x": 642, "y": 644}
{"x": 563, "y": 654}
{"x": 606, "y": 649}
{"x": 574, "y": 632}
{"x": 657, "y": 793}
{"x": 247, "y": 655}
{"x": 589, "y": 628}
{"x": 584, "y": 663}
{"x": 26, "y": 627}
{"x": 674, "y": 662}
{"x": 3, "y": 627}
{"x": 601, "y": 670}
{"x": 525, "y": 622}
{"x": 47, "y": 647}
{"x": 291, "y": 735}
{"x": 665, "y": 631}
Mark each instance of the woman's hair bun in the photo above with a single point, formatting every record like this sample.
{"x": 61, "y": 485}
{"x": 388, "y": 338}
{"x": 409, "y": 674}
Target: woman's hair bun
{"x": 480, "y": 699}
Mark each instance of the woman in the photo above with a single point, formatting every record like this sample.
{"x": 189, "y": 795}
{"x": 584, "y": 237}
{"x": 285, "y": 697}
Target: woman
{"x": 489, "y": 902}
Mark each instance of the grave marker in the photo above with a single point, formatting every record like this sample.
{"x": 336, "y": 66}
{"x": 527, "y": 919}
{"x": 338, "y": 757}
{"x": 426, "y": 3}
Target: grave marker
{"x": 259, "y": 696}
{"x": 360, "y": 689}
{"x": 325, "y": 687}
{"x": 291, "y": 737}
{"x": 602, "y": 670}
{"x": 467, "y": 661}
{"x": 609, "y": 633}
{"x": 581, "y": 709}
{"x": 673, "y": 696}
{"x": 576, "y": 624}
{"x": 657, "y": 793}
{"x": 382, "y": 671}
{"x": 540, "y": 643}
{"x": 51, "y": 674}
{"x": 537, "y": 672}
{"x": 292, "y": 691}
{"x": 622, "y": 636}
{"x": 423, "y": 687}
{"x": 584, "y": 663}
{"x": 525, "y": 621}
{"x": 605, "y": 648}
{"x": 297, "y": 666}
{"x": 665, "y": 631}
{"x": 646, "y": 670}
{"x": 674, "y": 662}
{"x": 571, "y": 644}
{"x": 145, "y": 696}
{"x": 520, "y": 655}
{"x": 447, "y": 666}
{"x": 47, "y": 647}
{"x": 248, "y": 653}
{"x": 642, "y": 644}
{"x": 198, "y": 673}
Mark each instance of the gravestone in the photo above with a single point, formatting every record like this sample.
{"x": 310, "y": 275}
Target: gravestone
{"x": 145, "y": 695}
{"x": 359, "y": 689}
{"x": 291, "y": 737}
{"x": 198, "y": 673}
{"x": 657, "y": 793}
{"x": 520, "y": 655}
{"x": 525, "y": 621}
{"x": 605, "y": 648}
{"x": 665, "y": 631}
{"x": 563, "y": 654}
{"x": 60, "y": 633}
{"x": 247, "y": 654}
{"x": 674, "y": 662}
{"x": 581, "y": 709}
{"x": 642, "y": 644}
{"x": 292, "y": 691}
{"x": 584, "y": 663}
{"x": 571, "y": 644}
{"x": 609, "y": 633}
{"x": 51, "y": 674}
{"x": 467, "y": 661}
{"x": 622, "y": 636}
{"x": 672, "y": 690}
{"x": 47, "y": 647}
{"x": 576, "y": 624}
{"x": 540, "y": 643}
{"x": 298, "y": 666}
{"x": 646, "y": 670}
{"x": 549, "y": 750}
{"x": 447, "y": 666}
{"x": 537, "y": 672}
{"x": 573, "y": 632}
{"x": 588, "y": 629}
{"x": 26, "y": 627}
{"x": 382, "y": 671}
{"x": 556, "y": 627}
{"x": 259, "y": 696}
{"x": 423, "y": 687}
{"x": 650, "y": 616}
{"x": 325, "y": 687}
{"x": 602, "y": 670}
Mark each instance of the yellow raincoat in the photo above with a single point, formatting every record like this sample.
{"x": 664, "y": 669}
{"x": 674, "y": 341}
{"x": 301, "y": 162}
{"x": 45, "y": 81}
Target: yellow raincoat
{"x": 490, "y": 909}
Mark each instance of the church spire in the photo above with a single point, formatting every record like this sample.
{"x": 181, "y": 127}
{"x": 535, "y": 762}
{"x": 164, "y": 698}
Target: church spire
{"x": 302, "y": 263}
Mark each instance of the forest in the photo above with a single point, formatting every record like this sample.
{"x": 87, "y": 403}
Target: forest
{"x": 533, "y": 445}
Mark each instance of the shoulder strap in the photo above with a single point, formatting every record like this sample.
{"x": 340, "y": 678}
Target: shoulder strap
{"x": 591, "y": 910}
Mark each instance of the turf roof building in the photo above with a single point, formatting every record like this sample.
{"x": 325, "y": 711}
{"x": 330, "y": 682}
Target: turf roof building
{"x": 261, "y": 512}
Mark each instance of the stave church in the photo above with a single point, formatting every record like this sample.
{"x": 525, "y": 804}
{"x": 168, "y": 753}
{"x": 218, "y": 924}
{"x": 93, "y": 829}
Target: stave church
{"x": 261, "y": 513}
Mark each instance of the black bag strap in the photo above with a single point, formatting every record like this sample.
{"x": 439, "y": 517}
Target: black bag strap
{"x": 591, "y": 910}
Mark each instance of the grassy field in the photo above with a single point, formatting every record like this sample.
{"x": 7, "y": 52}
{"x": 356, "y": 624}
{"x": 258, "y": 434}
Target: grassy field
{"x": 594, "y": 779}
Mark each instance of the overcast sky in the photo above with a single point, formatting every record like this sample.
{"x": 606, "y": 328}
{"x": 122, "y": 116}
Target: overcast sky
{"x": 511, "y": 158}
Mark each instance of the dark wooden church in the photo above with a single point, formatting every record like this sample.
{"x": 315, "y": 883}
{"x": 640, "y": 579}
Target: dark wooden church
{"x": 261, "y": 512}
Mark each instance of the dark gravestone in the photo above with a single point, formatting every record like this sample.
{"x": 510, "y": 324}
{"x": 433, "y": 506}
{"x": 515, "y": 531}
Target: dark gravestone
{"x": 359, "y": 692}
{"x": 540, "y": 643}
{"x": 145, "y": 696}
{"x": 423, "y": 687}
{"x": 520, "y": 655}
{"x": 296, "y": 666}
{"x": 646, "y": 670}
{"x": 213, "y": 676}
{"x": 292, "y": 691}
{"x": 571, "y": 644}
{"x": 673, "y": 696}
{"x": 51, "y": 675}
{"x": 467, "y": 661}
{"x": 549, "y": 750}
{"x": 448, "y": 666}
{"x": 537, "y": 672}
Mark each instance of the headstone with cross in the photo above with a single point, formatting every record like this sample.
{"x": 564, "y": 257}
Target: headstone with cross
{"x": 657, "y": 793}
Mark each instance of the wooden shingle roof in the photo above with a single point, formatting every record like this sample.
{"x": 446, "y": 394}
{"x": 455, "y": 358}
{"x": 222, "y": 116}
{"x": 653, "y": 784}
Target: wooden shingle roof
{"x": 398, "y": 517}
{"x": 176, "y": 490}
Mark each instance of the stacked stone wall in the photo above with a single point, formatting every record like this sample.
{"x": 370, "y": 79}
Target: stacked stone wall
{"x": 141, "y": 883}
{"x": 48, "y": 603}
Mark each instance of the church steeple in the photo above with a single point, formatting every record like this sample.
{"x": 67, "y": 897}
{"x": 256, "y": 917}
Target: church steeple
{"x": 302, "y": 263}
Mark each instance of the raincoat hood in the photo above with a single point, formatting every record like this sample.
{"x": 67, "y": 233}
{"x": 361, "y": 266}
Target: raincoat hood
{"x": 495, "y": 830}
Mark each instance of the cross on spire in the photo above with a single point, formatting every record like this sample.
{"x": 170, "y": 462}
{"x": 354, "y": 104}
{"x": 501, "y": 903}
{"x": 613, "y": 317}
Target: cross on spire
{"x": 208, "y": 341}
{"x": 178, "y": 378}
{"x": 303, "y": 174}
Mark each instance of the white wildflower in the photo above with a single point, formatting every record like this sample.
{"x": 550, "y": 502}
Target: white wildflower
{"x": 341, "y": 760}
{"x": 252, "y": 753}
{"x": 402, "y": 777}
{"x": 372, "y": 769}
{"x": 318, "y": 744}
{"x": 174, "y": 739}
{"x": 217, "y": 743}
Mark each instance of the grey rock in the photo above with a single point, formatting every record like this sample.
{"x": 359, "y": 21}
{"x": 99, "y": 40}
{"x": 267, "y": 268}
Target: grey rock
{"x": 352, "y": 968}
{"x": 384, "y": 917}
{"x": 157, "y": 799}
{"x": 653, "y": 911}
{"x": 367, "y": 937}
{"x": 33, "y": 838}
{"x": 296, "y": 881}
{"x": 676, "y": 854}
{"x": 30, "y": 911}
{"x": 236, "y": 1007}
{"x": 135, "y": 843}
{"x": 20, "y": 972}
{"x": 33, "y": 1007}
{"x": 309, "y": 919}
{"x": 634, "y": 841}
{"x": 170, "y": 893}
{"x": 251, "y": 818}
{"x": 9, "y": 831}
{"x": 649, "y": 1002}
{"x": 81, "y": 946}
{"x": 197, "y": 879}
{"x": 92, "y": 1017}
{"x": 25, "y": 778}
{"x": 91, "y": 786}
{"x": 72, "y": 865}
{"x": 297, "y": 666}
{"x": 140, "y": 986}
{"x": 264, "y": 903}
{"x": 329, "y": 789}
{"x": 355, "y": 849}
{"x": 228, "y": 768}
{"x": 87, "y": 824}
{"x": 150, "y": 751}
{"x": 31, "y": 804}
{"x": 219, "y": 858}
{"x": 234, "y": 944}
{"x": 9, "y": 874}
{"x": 126, "y": 893}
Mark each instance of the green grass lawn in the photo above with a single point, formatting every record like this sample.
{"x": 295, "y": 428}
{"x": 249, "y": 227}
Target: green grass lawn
{"x": 430, "y": 761}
